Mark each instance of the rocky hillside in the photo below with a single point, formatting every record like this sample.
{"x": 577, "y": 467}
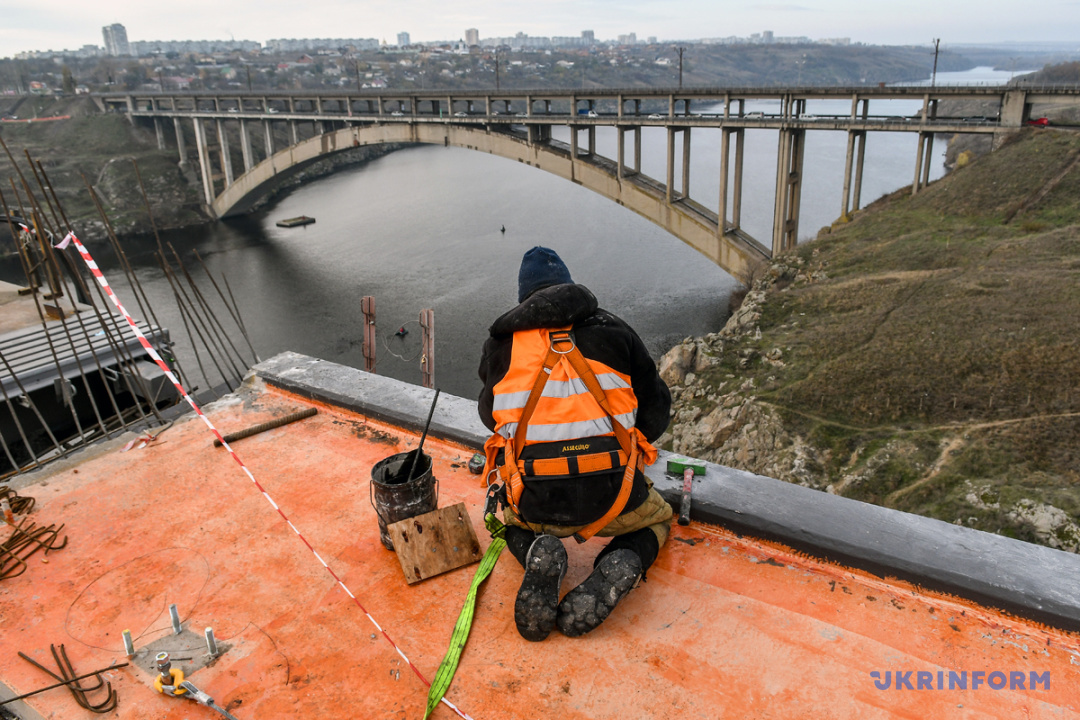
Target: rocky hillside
{"x": 923, "y": 356}
{"x": 104, "y": 148}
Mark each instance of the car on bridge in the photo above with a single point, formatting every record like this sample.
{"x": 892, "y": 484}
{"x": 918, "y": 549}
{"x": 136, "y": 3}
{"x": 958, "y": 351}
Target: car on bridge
{"x": 656, "y": 116}
{"x": 461, "y": 114}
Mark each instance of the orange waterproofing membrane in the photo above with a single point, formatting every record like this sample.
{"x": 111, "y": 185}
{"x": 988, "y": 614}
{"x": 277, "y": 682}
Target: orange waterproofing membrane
{"x": 725, "y": 627}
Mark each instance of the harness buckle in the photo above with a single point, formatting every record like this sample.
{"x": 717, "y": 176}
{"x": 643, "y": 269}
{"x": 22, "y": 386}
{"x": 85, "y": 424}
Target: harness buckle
{"x": 496, "y": 497}
{"x": 562, "y": 336}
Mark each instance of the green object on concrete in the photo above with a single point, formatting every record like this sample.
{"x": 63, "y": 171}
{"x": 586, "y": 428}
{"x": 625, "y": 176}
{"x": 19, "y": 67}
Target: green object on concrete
{"x": 677, "y": 464}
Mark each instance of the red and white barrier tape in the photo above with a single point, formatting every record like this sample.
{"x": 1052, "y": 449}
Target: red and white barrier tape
{"x": 89, "y": 260}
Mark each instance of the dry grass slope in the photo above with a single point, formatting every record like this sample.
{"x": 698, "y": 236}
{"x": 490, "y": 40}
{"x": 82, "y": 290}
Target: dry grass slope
{"x": 937, "y": 367}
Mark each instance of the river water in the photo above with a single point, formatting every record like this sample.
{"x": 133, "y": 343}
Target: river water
{"x": 420, "y": 228}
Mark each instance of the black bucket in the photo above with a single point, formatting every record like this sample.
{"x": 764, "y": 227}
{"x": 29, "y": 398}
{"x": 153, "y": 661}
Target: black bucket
{"x": 395, "y": 497}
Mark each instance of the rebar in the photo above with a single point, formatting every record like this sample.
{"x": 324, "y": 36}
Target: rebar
{"x": 167, "y": 270}
{"x": 234, "y": 314}
{"x": 239, "y": 317}
{"x": 72, "y": 680}
{"x": 32, "y": 405}
{"x": 213, "y": 323}
{"x": 27, "y": 536}
{"x": 19, "y": 503}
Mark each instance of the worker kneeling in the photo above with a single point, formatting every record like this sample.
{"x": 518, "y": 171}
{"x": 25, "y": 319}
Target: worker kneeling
{"x": 574, "y": 401}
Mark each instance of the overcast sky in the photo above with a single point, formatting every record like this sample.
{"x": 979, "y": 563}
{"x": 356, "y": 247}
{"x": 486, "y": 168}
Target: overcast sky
{"x": 70, "y": 24}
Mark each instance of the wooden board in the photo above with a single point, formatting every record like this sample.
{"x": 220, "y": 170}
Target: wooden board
{"x": 433, "y": 543}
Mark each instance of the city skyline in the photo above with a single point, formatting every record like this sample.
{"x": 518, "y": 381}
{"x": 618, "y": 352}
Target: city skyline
{"x": 38, "y": 25}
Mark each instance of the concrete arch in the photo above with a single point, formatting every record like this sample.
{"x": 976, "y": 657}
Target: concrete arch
{"x": 735, "y": 252}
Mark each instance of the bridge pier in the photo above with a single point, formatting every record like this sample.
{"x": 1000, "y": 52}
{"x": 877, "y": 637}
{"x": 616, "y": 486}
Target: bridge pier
{"x": 180, "y": 146}
{"x": 685, "y": 169}
{"x": 160, "y": 132}
{"x": 245, "y": 146}
{"x": 636, "y": 169}
{"x": 204, "y": 162}
{"x": 856, "y": 152}
{"x": 295, "y": 130}
{"x": 789, "y": 167}
{"x": 223, "y": 148}
{"x": 1015, "y": 109}
{"x": 736, "y": 200}
{"x": 922, "y": 162}
{"x": 268, "y": 137}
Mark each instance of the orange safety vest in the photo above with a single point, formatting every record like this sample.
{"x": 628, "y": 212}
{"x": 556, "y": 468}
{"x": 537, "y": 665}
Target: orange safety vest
{"x": 553, "y": 393}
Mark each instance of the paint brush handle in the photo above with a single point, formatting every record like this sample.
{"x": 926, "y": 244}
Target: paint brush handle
{"x": 423, "y": 436}
{"x": 684, "y": 503}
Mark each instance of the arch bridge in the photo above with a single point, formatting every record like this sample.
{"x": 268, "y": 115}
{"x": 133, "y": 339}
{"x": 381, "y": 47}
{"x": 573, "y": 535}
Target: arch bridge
{"x": 300, "y": 128}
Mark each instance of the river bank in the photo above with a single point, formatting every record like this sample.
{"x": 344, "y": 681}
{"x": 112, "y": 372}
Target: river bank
{"x": 921, "y": 357}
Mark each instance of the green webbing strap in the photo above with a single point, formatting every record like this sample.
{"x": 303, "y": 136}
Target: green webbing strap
{"x": 448, "y": 666}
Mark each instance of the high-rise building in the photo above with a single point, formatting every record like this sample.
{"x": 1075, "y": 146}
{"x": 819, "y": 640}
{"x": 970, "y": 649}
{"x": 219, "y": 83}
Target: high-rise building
{"x": 472, "y": 37}
{"x": 116, "y": 42}
{"x": 588, "y": 36}
{"x": 402, "y": 39}
{"x": 767, "y": 37}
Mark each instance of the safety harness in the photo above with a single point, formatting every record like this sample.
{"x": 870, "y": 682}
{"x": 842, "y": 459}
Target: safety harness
{"x": 562, "y": 346}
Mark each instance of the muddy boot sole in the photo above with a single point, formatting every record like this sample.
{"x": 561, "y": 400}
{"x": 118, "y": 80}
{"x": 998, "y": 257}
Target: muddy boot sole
{"x": 538, "y": 598}
{"x": 587, "y": 606}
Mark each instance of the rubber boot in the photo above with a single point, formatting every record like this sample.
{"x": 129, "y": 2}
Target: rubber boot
{"x": 585, "y": 607}
{"x": 538, "y": 598}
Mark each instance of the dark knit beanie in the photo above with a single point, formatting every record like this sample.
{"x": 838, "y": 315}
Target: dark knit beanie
{"x": 541, "y": 267}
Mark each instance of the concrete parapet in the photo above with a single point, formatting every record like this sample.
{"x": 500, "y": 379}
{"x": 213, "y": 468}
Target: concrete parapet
{"x": 1029, "y": 580}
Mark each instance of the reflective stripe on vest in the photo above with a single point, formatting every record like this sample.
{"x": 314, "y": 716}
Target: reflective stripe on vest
{"x": 559, "y": 389}
{"x": 554, "y": 432}
{"x": 566, "y": 409}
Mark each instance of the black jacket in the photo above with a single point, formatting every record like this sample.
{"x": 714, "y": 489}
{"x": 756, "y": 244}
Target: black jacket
{"x": 600, "y": 336}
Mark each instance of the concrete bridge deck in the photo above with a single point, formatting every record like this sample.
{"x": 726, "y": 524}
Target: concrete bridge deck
{"x": 728, "y": 625}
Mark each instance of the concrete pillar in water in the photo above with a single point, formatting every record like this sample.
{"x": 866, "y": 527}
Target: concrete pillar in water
{"x": 592, "y": 140}
{"x": 204, "y": 161}
{"x": 245, "y": 146}
{"x": 427, "y": 350}
{"x": 226, "y": 160}
{"x": 180, "y": 146}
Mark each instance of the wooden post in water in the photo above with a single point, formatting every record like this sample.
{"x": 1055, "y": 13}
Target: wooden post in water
{"x": 367, "y": 307}
{"x": 427, "y": 351}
